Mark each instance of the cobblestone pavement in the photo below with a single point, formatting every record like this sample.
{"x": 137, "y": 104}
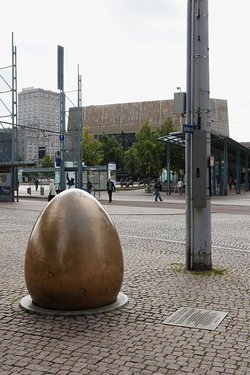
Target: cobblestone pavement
{"x": 133, "y": 339}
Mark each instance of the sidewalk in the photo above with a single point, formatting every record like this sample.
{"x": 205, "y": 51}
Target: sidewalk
{"x": 138, "y": 200}
{"x": 135, "y": 340}
{"x": 138, "y": 194}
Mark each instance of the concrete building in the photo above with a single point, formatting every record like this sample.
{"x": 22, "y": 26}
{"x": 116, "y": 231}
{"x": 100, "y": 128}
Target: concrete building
{"x": 124, "y": 119}
{"x": 39, "y": 117}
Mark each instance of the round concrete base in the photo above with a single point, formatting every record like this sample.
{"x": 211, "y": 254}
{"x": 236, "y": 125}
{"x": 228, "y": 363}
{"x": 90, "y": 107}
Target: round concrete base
{"x": 27, "y": 305}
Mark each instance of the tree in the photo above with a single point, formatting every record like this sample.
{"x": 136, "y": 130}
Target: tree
{"x": 147, "y": 156}
{"x": 166, "y": 128}
{"x": 112, "y": 150}
{"x": 145, "y": 150}
{"x": 47, "y": 162}
{"x": 131, "y": 162}
{"x": 91, "y": 148}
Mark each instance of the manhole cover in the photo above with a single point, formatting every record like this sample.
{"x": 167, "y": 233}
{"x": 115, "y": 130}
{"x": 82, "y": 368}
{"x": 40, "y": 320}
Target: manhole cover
{"x": 196, "y": 318}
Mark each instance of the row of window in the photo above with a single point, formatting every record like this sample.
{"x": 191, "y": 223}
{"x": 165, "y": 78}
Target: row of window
{"x": 39, "y": 108}
{"x": 39, "y": 94}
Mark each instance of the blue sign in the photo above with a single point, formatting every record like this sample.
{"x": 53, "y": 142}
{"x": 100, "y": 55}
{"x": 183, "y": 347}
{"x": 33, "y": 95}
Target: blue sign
{"x": 58, "y": 162}
{"x": 186, "y": 128}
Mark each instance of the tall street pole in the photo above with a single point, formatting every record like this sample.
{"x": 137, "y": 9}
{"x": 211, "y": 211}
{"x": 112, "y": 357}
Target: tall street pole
{"x": 14, "y": 140}
{"x": 198, "y": 144}
{"x": 189, "y": 120}
{"x": 79, "y": 129}
{"x": 60, "y": 86}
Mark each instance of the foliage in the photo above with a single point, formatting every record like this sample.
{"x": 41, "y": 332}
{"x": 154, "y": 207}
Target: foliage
{"x": 166, "y": 128}
{"x": 148, "y": 151}
{"x": 145, "y": 158}
{"x": 112, "y": 150}
{"x": 91, "y": 148}
{"x": 47, "y": 162}
{"x": 148, "y": 155}
{"x": 130, "y": 161}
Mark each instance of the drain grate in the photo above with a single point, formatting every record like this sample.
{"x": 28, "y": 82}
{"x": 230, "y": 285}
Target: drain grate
{"x": 196, "y": 318}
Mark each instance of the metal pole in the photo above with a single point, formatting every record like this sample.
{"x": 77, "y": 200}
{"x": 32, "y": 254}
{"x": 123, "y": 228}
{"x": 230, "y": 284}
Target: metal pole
{"x": 238, "y": 171}
{"x": 200, "y": 259}
{"x": 225, "y": 170}
{"x": 168, "y": 169}
{"x": 14, "y": 154}
{"x": 62, "y": 136}
{"x": 60, "y": 86}
{"x": 246, "y": 172}
{"x": 79, "y": 128}
{"x": 188, "y": 135}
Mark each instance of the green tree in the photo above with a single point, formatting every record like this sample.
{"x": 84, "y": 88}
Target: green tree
{"x": 166, "y": 128}
{"x": 112, "y": 150}
{"x": 146, "y": 151}
{"x": 91, "y": 148}
{"x": 47, "y": 162}
{"x": 131, "y": 162}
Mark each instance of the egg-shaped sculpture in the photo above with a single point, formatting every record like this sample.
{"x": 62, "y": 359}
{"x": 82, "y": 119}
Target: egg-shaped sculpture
{"x": 74, "y": 258}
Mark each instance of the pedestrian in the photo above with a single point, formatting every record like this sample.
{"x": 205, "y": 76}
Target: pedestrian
{"x": 58, "y": 190}
{"x": 158, "y": 189}
{"x": 89, "y": 186}
{"x": 52, "y": 190}
{"x": 180, "y": 186}
{"x": 110, "y": 189}
{"x": 36, "y": 183}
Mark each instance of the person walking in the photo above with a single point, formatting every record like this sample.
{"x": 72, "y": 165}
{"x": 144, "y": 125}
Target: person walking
{"x": 110, "y": 189}
{"x": 52, "y": 190}
{"x": 158, "y": 189}
{"x": 36, "y": 182}
{"x": 89, "y": 186}
{"x": 180, "y": 186}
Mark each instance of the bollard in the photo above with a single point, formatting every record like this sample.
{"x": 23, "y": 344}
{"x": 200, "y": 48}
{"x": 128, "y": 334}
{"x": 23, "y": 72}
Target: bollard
{"x": 29, "y": 190}
{"x": 42, "y": 190}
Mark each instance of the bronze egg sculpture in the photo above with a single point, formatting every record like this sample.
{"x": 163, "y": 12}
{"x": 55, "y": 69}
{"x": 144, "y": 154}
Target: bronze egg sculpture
{"x": 74, "y": 258}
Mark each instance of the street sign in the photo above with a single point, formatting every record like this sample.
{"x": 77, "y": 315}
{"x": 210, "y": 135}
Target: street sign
{"x": 186, "y": 128}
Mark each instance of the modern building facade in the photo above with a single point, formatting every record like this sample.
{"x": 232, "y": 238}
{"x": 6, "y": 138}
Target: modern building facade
{"x": 38, "y": 123}
{"x": 123, "y": 120}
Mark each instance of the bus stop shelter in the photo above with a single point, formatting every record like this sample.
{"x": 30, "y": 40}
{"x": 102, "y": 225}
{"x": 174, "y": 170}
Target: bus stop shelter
{"x": 229, "y": 162}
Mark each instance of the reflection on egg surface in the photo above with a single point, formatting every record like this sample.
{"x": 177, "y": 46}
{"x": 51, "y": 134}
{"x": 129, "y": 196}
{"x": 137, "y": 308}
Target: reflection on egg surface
{"x": 73, "y": 258}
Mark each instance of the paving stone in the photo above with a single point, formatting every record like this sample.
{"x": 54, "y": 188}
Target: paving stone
{"x": 133, "y": 340}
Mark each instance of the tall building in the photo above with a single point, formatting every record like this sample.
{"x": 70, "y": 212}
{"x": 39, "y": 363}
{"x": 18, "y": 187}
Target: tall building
{"x": 39, "y": 123}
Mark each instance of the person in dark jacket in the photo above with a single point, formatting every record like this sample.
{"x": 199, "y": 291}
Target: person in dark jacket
{"x": 158, "y": 189}
{"x": 89, "y": 186}
{"x": 110, "y": 189}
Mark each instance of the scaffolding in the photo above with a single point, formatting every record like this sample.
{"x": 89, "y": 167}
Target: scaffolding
{"x": 8, "y": 123}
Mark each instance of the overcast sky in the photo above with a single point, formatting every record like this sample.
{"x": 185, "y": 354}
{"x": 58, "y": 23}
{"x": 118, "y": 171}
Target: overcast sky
{"x": 128, "y": 50}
